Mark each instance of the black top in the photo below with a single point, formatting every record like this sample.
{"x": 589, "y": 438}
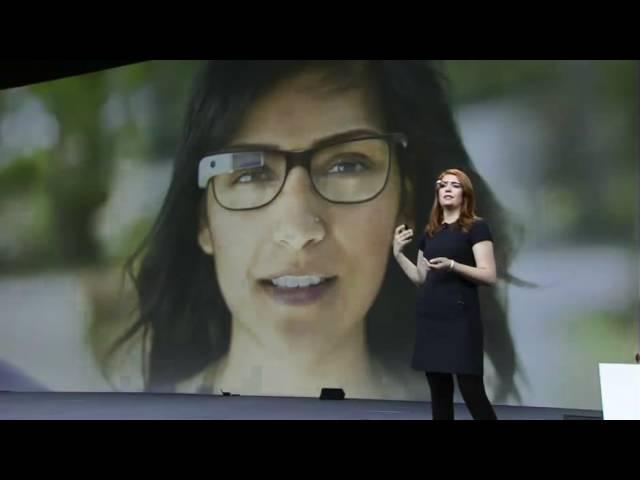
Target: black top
{"x": 449, "y": 334}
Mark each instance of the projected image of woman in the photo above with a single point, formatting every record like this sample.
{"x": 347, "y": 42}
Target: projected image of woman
{"x": 267, "y": 271}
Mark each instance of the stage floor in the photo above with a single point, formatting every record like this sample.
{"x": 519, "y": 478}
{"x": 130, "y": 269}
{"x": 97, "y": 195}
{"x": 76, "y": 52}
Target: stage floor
{"x": 122, "y": 406}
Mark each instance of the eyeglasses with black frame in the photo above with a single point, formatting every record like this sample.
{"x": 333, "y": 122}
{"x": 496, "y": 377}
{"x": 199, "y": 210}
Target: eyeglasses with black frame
{"x": 346, "y": 171}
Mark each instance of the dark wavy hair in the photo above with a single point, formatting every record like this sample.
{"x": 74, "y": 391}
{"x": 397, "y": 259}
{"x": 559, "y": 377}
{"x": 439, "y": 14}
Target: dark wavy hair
{"x": 181, "y": 311}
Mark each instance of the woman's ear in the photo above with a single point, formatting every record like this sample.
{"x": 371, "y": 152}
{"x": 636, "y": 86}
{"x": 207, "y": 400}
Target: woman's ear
{"x": 405, "y": 213}
{"x": 205, "y": 238}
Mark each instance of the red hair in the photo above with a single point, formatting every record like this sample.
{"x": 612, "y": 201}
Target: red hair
{"x": 467, "y": 210}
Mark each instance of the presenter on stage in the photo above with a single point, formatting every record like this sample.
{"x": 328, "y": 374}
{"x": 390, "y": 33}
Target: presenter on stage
{"x": 455, "y": 257}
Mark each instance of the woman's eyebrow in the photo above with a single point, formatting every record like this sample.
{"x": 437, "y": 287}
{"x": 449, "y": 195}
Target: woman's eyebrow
{"x": 337, "y": 137}
{"x": 344, "y": 136}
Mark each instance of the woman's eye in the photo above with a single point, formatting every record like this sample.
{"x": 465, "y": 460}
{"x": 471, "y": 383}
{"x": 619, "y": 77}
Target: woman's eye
{"x": 354, "y": 163}
{"x": 253, "y": 176}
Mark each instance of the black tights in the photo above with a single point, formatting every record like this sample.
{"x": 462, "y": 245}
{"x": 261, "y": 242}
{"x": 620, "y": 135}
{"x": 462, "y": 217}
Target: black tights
{"x": 472, "y": 390}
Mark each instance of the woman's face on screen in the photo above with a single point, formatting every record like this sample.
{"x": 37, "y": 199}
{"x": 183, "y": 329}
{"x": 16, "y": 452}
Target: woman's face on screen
{"x": 301, "y": 271}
